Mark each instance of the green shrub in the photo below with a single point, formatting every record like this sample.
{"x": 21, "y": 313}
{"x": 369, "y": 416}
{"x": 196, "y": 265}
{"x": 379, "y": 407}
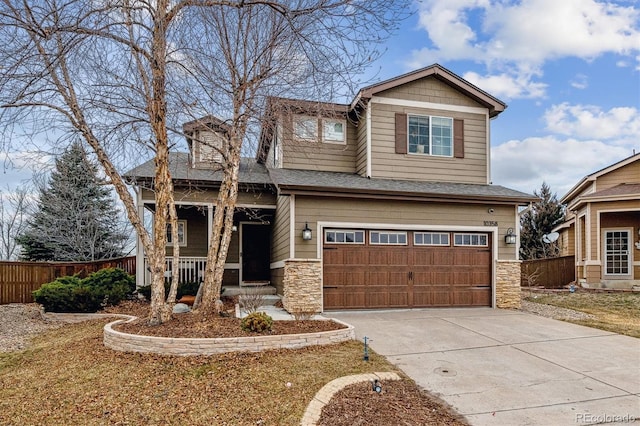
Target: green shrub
{"x": 72, "y": 294}
{"x": 184, "y": 289}
{"x": 257, "y": 322}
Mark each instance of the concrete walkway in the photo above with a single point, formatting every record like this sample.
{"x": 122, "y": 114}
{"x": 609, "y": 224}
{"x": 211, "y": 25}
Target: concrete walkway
{"x": 500, "y": 367}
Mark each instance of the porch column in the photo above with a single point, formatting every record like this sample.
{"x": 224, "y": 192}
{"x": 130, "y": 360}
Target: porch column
{"x": 140, "y": 275}
{"x": 209, "y": 223}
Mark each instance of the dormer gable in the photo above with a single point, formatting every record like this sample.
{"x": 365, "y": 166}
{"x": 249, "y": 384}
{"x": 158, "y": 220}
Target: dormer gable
{"x": 207, "y": 140}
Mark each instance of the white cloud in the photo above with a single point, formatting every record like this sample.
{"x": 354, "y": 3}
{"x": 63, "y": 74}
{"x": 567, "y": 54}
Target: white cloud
{"x": 516, "y": 37}
{"x": 525, "y": 164}
{"x": 580, "y": 81}
{"x": 588, "y": 121}
{"x": 508, "y": 86}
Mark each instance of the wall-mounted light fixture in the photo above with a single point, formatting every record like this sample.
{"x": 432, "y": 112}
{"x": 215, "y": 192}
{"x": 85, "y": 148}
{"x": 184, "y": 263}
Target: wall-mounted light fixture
{"x": 306, "y": 232}
{"x": 234, "y": 228}
{"x": 510, "y": 238}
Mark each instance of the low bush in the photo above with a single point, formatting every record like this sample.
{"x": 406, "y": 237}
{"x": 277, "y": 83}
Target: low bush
{"x": 257, "y": 322}
{"x": 184, "y": 289}
{"x": 72, "y": 294}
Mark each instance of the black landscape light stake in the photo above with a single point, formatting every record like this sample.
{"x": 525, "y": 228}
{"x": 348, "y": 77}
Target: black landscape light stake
{"x": 366, "y": 349}
{"x": 377, "y": 386}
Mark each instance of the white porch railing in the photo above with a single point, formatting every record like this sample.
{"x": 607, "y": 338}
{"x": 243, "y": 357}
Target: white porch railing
{"x": 191, "y": 269}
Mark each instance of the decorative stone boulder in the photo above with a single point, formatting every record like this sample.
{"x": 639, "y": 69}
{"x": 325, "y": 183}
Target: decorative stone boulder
{"x": 181, "y": 308}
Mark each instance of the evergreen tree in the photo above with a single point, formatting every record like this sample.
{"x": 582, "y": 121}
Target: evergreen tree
{"x": 539, "y": 220}
{"x": 75, "y": 217}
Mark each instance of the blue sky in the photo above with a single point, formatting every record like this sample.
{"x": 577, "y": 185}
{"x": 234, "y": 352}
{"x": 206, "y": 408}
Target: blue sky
{"x": 569, "y": 71}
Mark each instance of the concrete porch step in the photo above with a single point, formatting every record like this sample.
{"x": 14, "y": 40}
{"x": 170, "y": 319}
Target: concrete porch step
{"x": 237, "y": 291}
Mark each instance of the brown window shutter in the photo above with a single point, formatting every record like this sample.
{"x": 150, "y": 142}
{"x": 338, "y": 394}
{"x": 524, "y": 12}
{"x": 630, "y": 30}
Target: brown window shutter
{"x": 401, "y": 133}
{"x": 458, "y": 138}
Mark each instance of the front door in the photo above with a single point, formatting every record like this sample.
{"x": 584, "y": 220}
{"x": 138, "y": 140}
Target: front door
{"x": 617, "y": 259}
{"x": 256, "y": 243}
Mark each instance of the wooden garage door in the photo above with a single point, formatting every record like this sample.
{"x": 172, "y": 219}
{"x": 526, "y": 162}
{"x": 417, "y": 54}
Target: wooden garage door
{"x": 364, "y": 275}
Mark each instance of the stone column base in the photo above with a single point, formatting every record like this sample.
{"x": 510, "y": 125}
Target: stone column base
{"x": 508, "y": 294}
{"x": 302, "y": 284}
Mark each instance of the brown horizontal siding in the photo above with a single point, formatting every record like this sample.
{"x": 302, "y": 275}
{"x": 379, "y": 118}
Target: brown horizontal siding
{"x": 196, "y": 195}
{"x": 318, "y": 155}
{"x": 280, "y": 240}
{"x": 627, "y": 174}
{"x": 387, "y": 164}
{"x": 399, "y": 212}
{"x": 361, "y": 151}
{"x": 196, "y": 221}
{"x": 429, "y": 89}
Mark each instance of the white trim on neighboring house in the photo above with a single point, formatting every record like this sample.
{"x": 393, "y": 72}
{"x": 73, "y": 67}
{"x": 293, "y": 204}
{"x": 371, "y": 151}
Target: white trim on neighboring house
{"x": 429, "y": 105}
{"x": 602, "y": 249}
{"x": 587, "y": 225}
{"x": 368, "y": 171}
{"x": 292, "y": 226}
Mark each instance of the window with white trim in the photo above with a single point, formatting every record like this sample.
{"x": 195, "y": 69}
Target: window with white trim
{"x": 343, "y": 236}
{"x": 305, "y": 128}
{"x": 182, "y": 233}
{"x": 430, "y": 135}
{"x": 431, "y": 238}
{"x": 477, "y": 240}
{"x": 333, "y": 131}
{"x": 388, "y": 238}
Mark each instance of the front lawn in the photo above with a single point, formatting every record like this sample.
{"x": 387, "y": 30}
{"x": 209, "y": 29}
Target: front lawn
{"x": 69, "y": 377}
{"x": 617, "y": 312}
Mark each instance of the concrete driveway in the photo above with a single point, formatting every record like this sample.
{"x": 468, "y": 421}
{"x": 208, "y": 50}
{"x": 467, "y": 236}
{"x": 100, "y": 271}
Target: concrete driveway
{"x": 500, "y": 367}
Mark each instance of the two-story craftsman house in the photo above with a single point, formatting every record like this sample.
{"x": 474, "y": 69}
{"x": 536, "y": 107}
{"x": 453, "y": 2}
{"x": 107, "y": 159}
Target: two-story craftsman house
{"x": 385, "y": 202}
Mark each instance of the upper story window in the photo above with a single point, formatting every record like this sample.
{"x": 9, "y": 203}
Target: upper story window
{"x": 430, "y": 135}
{"x": 313, "y": 129}
{"x": 209, "y": 145}
{"x": 305, "y": 128}
{"x": 333, "y": 131}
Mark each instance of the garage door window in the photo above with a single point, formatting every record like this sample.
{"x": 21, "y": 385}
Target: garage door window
{"x": 390, "y": 238}
{"x": 343, "y": 236}
{"x": 430, "y": 239}
{"x": 476, "y": 240}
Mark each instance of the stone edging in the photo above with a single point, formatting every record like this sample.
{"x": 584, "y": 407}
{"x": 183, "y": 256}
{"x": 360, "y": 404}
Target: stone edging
{"x": 186, "y": 346}
{"x": 314, "y": 409}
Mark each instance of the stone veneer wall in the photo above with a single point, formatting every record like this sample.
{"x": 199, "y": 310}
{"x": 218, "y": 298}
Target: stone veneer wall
{"x": 184, "y": 346}
{"x": 302, "y": 285}
{"x": 508, "y": 284}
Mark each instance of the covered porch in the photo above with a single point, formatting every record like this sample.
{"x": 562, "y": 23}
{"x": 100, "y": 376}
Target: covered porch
{"x": 248, "y": 258}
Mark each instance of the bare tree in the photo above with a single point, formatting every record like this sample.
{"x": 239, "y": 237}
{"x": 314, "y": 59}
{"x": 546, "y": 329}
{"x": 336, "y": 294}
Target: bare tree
{"x": 13, "y": 219}
{"x": 123, "y": 74}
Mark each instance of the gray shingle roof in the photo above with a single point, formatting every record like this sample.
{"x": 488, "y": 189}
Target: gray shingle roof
{"x": 292, "y": 180}
{"x": 250, "y": 171}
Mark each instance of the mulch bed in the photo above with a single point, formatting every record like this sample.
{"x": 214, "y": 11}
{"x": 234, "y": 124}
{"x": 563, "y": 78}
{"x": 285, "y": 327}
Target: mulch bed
{"x": 198, "y": 325}
{"x": 400, "y": 403}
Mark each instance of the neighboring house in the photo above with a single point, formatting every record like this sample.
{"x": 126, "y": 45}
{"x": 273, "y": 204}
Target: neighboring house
{"x": 602, "y": 226}
{"x": 382, "y": 203}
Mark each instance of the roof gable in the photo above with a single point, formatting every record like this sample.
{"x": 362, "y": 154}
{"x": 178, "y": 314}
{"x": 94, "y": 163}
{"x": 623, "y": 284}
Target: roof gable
{"x": 493, "y": 104}
{"x": 589, "y": 179}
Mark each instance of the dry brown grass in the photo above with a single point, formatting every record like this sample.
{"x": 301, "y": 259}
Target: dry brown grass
{"x": 69, "y": 377}
{"x": 616, "y": 312}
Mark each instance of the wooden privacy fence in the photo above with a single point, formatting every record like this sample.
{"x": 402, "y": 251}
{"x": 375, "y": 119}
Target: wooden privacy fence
{"x": 548, "y": 273}
{"x": 19, "y": 279}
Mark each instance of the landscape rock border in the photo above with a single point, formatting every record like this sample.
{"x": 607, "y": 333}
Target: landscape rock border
{"x": 191, "y": 346}
{"x": 323, "y": 396}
